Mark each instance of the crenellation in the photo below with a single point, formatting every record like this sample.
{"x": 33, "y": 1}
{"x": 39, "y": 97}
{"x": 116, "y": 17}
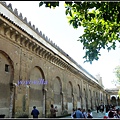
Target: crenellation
{"x": 43, "y": 36}
{"x": 21, "y": 16}
{"x": 40, "y": 33}
{"x": 37, "y": 30}
{"x": 47, "y": 39}
{"x": 33, "y": 27}
{"x": 16, "y": 12}
{"x": 4, "y": 3}
{"x": 25, "y": 20}
{"x": 10, "y": 6}
{"x": 29, "y": 23}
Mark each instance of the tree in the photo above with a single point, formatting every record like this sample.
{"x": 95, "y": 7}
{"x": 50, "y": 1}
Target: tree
{"x": 117, "y": 74}
{"x": 101, "y": 22}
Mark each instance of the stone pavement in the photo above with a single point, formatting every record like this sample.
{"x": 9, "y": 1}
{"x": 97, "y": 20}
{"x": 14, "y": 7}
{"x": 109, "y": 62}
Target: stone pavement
{"x": 98, "y": 115}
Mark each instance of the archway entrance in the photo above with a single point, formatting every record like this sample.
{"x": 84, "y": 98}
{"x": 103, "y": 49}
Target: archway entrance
{"x": 113, "y": 100}
{"x": 6, "y": 88}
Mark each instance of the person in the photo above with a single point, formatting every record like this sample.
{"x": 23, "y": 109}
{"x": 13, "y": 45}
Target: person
{"x": 79, "y": 113}
{"x": 89, "y": 114}
{"x": 73, "y": 115}
{"x": 118, "y": 113}
{"x": 53, "y": 111}
{"x": 111, "y": 113}
{"x": 84, "y": 113}
{"x": 56, "y": 110}
{"x": 35, "y": 112}
{"x": 98, "y": 109}
{"x": 101, "y": 108}
{"x": 107, "y": 108}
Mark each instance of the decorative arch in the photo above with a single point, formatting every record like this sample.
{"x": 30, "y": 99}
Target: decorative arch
{"x": 85, "y": 99}
{"x": 70, "y": 88}
{"x": 70, "y": 97}
{"x": 59, "y": 84}
{"x": 40, "y": 69}
{"x": 6, "y": 85}
{"x": 79, "y": 100}
{"x": 58, "y": 96}
{"x": 113, "y": 100}
{"x": 36, "y": 91}
{"x": 90, "y": 99}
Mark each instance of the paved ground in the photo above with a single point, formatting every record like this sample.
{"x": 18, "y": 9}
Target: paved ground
{"x": 98, "y": 115}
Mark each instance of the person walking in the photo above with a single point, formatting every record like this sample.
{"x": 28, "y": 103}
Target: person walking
{"x": 35, "y": 112}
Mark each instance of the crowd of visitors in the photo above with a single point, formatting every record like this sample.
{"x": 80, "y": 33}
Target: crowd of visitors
{"x": 112, "y": 112}
{"x": 81, "y": 113}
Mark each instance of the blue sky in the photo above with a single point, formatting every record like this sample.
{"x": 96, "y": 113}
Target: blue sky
{"x": 54, "y": 24}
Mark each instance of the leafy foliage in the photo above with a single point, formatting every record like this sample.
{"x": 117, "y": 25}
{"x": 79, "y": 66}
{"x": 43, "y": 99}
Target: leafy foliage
{"x": 101, "y": 22}
{"x": 117, "y": 73}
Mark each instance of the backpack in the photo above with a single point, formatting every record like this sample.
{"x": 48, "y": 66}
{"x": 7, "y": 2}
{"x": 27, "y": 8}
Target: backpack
{"x": 74, "y": 116}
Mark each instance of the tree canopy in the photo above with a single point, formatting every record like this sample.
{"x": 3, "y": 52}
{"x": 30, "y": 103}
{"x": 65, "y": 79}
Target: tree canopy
{"x": 101, "y": 23}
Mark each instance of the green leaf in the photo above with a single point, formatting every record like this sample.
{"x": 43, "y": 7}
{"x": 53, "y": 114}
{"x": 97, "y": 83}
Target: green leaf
{"x": 41, "y": 3}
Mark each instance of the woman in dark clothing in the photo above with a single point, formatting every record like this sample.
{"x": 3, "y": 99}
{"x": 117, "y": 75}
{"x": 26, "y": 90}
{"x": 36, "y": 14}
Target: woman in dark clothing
{"x": 111, "y": 113}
